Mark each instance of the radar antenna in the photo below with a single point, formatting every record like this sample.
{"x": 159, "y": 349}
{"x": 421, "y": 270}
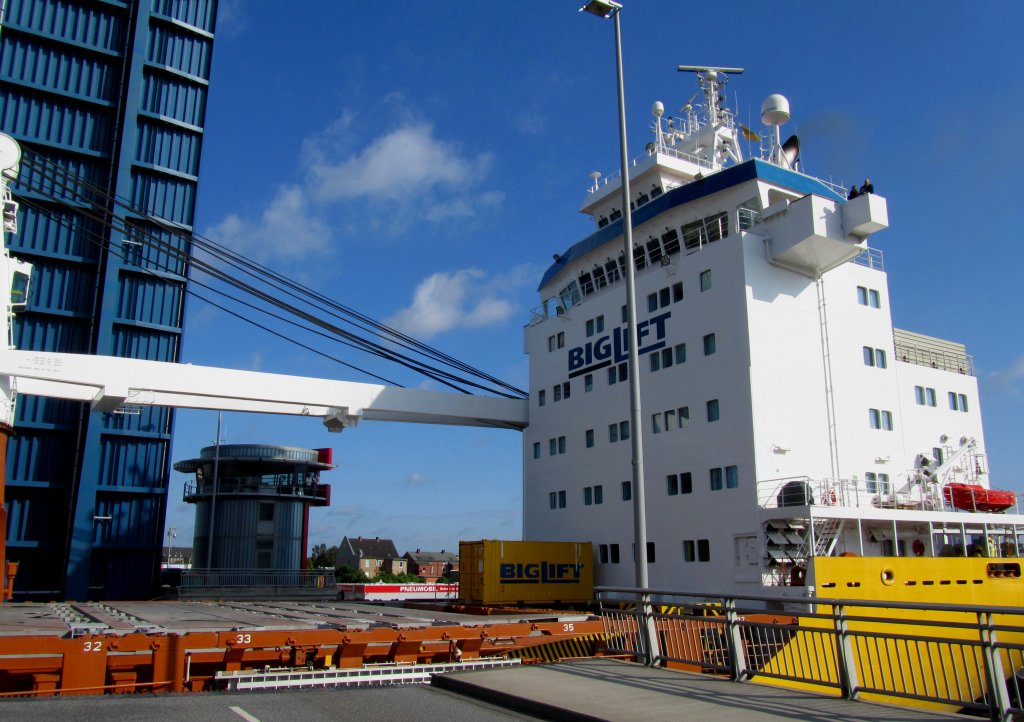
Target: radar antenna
{"x": 711, "y": 80}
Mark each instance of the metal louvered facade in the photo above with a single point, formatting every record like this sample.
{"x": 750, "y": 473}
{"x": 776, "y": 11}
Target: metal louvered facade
{"x": 114, "y": 91}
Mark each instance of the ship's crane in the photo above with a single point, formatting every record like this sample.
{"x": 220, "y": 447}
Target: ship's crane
{"x": 109, "y": 382}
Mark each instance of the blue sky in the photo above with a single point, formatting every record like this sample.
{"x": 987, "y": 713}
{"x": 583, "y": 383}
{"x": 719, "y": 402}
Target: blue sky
{"x": 421, "y": 162}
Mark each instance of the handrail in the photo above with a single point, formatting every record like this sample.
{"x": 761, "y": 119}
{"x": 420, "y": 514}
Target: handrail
{"x": 962, "y": 655}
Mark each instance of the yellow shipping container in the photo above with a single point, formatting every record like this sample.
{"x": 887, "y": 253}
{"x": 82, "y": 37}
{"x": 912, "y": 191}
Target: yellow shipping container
{"x": 492, "y": 571}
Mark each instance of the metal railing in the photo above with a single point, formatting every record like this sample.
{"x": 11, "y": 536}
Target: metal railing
{"x": 970, "y": 658}
{"x": 262, "y": 578}
{"x": 255, "y": 485}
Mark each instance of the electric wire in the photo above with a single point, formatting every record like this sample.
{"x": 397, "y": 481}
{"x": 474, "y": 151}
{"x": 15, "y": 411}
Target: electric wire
{"x": 64, "y": 189}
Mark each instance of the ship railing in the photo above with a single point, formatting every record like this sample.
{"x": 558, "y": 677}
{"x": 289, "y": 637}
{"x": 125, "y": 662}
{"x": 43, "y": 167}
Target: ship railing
{"x": 258, "y": 578}
{"x": 963, "y": 656}
{"x": 872, "y": 258}
{"x": 791, "y": 491}
{"x": 615, "y": 176}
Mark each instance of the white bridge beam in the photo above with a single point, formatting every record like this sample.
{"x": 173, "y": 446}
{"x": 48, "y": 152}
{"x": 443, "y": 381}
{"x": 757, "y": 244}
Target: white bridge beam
{"x": 109, "y": 382}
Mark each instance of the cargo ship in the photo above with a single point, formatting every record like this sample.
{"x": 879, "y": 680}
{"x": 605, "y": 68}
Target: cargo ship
{"x": 795, "y": 442}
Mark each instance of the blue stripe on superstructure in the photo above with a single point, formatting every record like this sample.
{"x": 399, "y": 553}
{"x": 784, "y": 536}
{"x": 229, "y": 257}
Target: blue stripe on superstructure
{"x": 714, "y": 183}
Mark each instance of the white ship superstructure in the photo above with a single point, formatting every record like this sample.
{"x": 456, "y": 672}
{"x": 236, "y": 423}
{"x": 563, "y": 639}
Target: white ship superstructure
{"x": 784, "y": 417}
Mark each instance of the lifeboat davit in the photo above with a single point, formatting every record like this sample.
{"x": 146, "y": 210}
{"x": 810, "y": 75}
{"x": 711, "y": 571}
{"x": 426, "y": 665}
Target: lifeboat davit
{"x": 973, "y": 497}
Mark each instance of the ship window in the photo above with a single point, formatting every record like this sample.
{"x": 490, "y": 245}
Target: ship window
{"x": 686, "y": 483}
{"x": 694, "y": 235}
{"x": 599, "y": 279}
{"x": 589, "y": 434}
{"x": 639, "y": 257}
{"x": 536, "y": 449}
{"x": 880, "y": 358}
{"x": 588, "y": 495}
{"x": 874, "y": 299}
{"x": 561, "y": 499}
{"x": 625, "y": 314}
{"x": 712, "y": 407}
{"x": 570, "y": 295}
{"x": 557, "y": 392}
{"x": 930, "y": 396}
{"x": 748, "y": 214}
{"x": 654, "y": 250}
{"x": 655, "y": 191}
{"x": 703, "y": 550}
{"x": 665, "y": 297}
{"x": 611, "y": 268}
{"x": 553, "y": 500}
{"x": 627, "y": 490}
{"x": 683, "y": 416}
{"x": 666, "y": 358}
{"x": 689, "y": 550}
{"x": 670, "y": 242}
{"x": 732, "y": 477}
{"x": 715, "y": 477}
{"x": 616, "y": 214}
{"x": 561, "y": 444}
{"x": 542, "y": 397}
{"x": 266, "y": 512}
{"x": 718, "y": 226}
{"x": 677, "y": 292}
{"x": 650, "y": 552}
{"x": 598, "y": 493}
{"x": 652, "y": 302}
{"x": 672, "y": 484}
{"x": 552, "y": 447}
{"x": 613, "y": 550}
{"x": 566, "y": 389}
{"x": 656, "y": 423}
{"x": 705, "y": 280}
{"x": 590, "y": 327}
{"x": 670, "y": 419}
{"x": 613, "y": 433}
{"x": 588, "y": 383}
{"x": 602, "y": 553}
{"x": 642, "y": 198}
{"x": 624, "y": 430}
{"x": 862, "y": 295}
{"x": 887, "y": 420}
{"x": 869, "y": 360}
{"x": 680, "y": 350}
{"x": 709, "y": 344}
{"x": 586, "y": 283}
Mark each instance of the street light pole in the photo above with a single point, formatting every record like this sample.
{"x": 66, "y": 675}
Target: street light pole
{"x": 606, "y": 9}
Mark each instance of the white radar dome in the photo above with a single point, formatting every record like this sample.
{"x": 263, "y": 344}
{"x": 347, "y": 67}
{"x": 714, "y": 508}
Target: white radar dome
{"x": 658, "y": 109}
{"x": 775, "y": 110}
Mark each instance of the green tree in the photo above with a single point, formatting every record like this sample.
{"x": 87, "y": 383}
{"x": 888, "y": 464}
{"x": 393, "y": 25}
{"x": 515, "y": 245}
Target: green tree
{"x": 348, "y": 575}
{"x": 389, "y": 578}
{"x": 322, "y": 556}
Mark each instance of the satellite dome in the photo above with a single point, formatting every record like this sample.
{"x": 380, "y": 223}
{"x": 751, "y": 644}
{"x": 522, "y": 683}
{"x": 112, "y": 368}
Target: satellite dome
{"x": 775, "y": 110}
{"x": 658, "y": 109}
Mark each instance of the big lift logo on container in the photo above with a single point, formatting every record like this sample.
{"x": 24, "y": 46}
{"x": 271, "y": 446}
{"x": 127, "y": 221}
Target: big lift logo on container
{"x": 614, "y": 347}
{"x": 540, "y": 573}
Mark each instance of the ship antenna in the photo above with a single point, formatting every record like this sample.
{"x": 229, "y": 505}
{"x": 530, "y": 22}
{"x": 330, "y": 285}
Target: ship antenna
{"x": 711, "y": 79}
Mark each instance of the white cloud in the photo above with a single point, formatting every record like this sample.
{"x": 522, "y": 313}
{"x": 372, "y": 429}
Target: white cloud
{"x": 445, "y": 301}
{"x": 416, "y": 479}
{"x": 231, "y": 19}
{"x": 409, "y": 158}
{"x": 1010, "y": 376}
{"x": 288, "y": 230}
{"x": 530, "y": 123}
{"x": 404, "y": 176}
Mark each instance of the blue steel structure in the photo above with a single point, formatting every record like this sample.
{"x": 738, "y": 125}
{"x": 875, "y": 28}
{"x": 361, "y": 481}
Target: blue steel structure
{"x": 113, "y": 90}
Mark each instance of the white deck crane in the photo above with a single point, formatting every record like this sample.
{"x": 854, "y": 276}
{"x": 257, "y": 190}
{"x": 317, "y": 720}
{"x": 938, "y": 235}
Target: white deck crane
{"x": 109, "y": 382}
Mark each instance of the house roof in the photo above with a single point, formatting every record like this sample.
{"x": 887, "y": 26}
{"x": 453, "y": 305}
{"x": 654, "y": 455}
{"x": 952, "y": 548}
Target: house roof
{"x": 421, "y": 557}
{"x": 375, "y": 548}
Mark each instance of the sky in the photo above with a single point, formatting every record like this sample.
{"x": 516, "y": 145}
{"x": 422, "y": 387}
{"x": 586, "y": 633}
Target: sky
{"x": 421, "y": 163}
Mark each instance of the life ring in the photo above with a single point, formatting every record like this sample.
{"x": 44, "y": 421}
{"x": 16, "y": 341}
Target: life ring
{"x": 829, "y": 497}
{"x": 918, "y": 547}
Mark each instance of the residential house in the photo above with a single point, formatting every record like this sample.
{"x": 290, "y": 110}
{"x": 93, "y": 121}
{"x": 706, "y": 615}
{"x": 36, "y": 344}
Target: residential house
{"x": 371, "y": 556}
{"x": 430, "y": 566}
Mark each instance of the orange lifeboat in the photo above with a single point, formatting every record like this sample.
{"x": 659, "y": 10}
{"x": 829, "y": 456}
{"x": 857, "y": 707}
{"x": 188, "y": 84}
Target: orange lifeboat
{"x": 973, "y": 497}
